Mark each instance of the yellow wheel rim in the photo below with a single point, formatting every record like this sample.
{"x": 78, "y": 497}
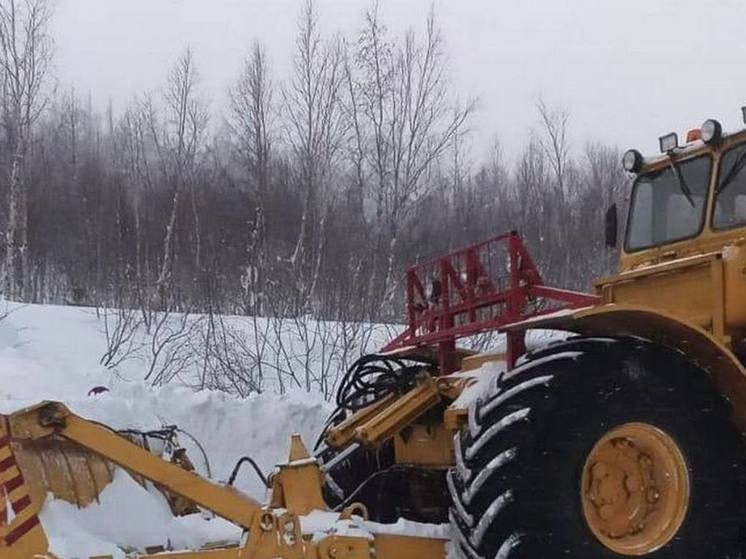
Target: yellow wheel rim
{"x": 635, "y": 489}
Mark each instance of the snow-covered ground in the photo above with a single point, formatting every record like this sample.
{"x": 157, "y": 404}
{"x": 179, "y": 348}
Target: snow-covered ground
{"x": 53, "y": 353}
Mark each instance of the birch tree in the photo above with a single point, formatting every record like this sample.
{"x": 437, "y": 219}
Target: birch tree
{"x": 177, "y": 141}
{"x": 407, "y": 122}
{"x": 557, "y": 202}
{"x": 25, "y": 58}
{"x": 315, "y": 131}
{"x": 251, "y": 119}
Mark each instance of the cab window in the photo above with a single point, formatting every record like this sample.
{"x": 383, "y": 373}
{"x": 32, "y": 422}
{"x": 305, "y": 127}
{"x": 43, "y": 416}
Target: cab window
{"x": 668, "y": 204}
{"x": 730, "y": 199}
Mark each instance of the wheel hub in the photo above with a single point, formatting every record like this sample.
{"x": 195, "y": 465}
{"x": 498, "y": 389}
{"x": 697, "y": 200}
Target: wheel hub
{"x": 635, "y": 489}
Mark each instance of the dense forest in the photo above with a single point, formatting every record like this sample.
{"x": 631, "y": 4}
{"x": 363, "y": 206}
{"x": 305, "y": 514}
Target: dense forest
{"x": 307, "y": 196}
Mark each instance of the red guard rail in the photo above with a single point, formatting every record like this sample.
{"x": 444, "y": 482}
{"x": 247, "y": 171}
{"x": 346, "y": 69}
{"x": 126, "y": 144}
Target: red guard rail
{"x": 477, "y": 289}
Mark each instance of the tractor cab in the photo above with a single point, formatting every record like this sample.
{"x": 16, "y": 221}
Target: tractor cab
{"x": 683, "y": 251}
{"x": 687, "y": 201}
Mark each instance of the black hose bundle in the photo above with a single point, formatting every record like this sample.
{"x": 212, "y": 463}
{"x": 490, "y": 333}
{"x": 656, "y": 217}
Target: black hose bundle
{"x": 370, "y": 379}
{"x": 167, "y": 435}
{"x": 248, "y": 459}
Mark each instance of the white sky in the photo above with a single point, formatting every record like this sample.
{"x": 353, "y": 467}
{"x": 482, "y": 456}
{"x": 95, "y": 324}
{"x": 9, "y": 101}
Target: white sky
{"x": 628, "y": 71}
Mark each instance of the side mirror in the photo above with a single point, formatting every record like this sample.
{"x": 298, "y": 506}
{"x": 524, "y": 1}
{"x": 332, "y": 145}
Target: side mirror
{"x": 612, "y": 226}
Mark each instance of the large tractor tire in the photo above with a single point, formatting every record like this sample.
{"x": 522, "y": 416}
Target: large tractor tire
{"x": 595, "y": 449}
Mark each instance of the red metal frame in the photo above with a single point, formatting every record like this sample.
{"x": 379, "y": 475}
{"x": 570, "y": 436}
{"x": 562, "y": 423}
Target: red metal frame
{"x": 477, "y": 289}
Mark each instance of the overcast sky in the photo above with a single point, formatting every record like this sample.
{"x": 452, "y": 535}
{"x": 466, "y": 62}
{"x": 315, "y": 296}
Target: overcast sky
{"x": 627, "y": 71}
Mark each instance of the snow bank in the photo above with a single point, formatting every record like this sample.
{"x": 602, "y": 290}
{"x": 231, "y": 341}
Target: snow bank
{"x": 52, "y": 353}
{"x": 128, "y": 516}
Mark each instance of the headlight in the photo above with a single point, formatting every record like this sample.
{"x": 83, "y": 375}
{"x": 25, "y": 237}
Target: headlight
{"x": 632, "y": 161}
{"x": 669, "y": 142}
{"x": 712, "y": 132}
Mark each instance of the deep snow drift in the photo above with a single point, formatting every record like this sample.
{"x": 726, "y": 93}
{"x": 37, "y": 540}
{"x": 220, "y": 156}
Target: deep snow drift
{"x": 53, "y": 353}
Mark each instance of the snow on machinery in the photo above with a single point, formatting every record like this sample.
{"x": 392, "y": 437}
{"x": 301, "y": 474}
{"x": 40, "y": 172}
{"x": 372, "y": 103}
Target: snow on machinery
{"x": 399, "y": 419}
{"x": 624, "y": 439}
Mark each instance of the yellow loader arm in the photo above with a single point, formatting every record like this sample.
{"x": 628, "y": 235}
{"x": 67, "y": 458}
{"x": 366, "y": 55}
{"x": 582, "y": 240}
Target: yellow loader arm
{"x": 52, "y": 418}
{"x": 274, "y": 531}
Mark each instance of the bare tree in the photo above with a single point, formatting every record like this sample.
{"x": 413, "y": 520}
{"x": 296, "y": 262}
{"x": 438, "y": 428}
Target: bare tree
{"x": 407, "y": 123}
{"x": 170, "y": 346}
{"x": 316, "y": 126}
{"x": 177, "y": 141}
{"x": 252, "y": 111}
{"x": 122, "y": 328}
{"x": 252, "y": 117}
{"x": 132, "y": 166}
{"x": 231, "y": 362}
{"x": 25, "y": 58}
{"x": 560, "y": 202}
{"x": 555, "y": 142}
{"x": 254, "y": 276}
{"x": 604, "y": 182}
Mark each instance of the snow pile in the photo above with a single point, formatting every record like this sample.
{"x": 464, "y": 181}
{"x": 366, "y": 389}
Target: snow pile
{"x": 484, "y": 379}
{"x": 319, "y": 524}
{"x": 52, "y": 353}
{"x": 482, "y": 383}
{"x": 117, "y": 523}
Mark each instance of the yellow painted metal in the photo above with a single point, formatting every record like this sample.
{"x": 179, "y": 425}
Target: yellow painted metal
{"x": 476, "y": 361}
{"x": 54, "y": 419}
{"x": 343, "y": 547}
{"x": 62, "y": 468}
{"x": 343, "y": 434}
{"x": 273, "y": 532}
{"x": 451, "y": 386}
{"x": 635, "y": 489}
{"x": 376, "y": 428}
{"x": 230, "y": 553}
{"x": 415, "y": 442}
{"x": 710, "y": 239}
{"x": 700, "y": 280}
{"x": 297, "y": 486}
{"x": 277, "y": 534}
{"x": 455, "y": 418}
{"x": 390, "y": 546}
{"x": 426, "y": 445}
{"x": 692, "y": 289}
{"x": 77, "y": 475}
{"x": 267, "y": 545}
{"x": 22, "y": 536}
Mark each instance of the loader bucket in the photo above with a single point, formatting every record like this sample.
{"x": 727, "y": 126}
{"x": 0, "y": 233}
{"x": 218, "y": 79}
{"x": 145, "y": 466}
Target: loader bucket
{"x": 54, "y": 465}
{"x": 64, "y": 469}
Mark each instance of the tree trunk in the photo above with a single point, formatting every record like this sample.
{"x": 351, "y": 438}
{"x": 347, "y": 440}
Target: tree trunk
{"x": 16, "y": 249}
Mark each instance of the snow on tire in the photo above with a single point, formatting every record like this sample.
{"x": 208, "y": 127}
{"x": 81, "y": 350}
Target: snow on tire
{"x": 516, "y": 488}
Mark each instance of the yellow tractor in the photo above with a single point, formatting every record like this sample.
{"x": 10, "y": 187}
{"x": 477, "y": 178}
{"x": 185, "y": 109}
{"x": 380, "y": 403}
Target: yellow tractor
{"x": 623, "y": 437}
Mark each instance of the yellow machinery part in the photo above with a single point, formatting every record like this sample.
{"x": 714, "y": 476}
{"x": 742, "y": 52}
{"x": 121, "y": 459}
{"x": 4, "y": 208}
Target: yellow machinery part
{"x": 62, "y": 468}
{"x": 635, "y": 489}
{"x": 425, "y": 445}
{"x": 75, "y": 474}
{"x": 273, "y": 532}
{"x": 297, "y": 486}
{"x": 474, "y": 362}
{"x": 22, "y": 535}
